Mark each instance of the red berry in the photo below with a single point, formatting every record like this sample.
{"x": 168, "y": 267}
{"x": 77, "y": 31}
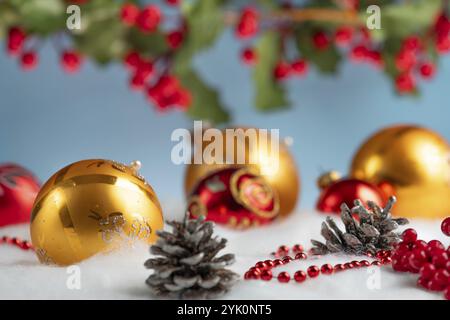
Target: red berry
{"x": 409, "y": 236}
{"x": 320, "y": 40}
{"x": 299, "y": 67}
{"x": 300, "y": 276}
{"x": 405, "y": 60}
{"x": 137, "y": 81}
{"x": 443, "y": 44}
{"x": 427, "y": 70}
{"x": 284, "y": 277}
{"x": 359, "y": 53}
{"x": 248, "y": 56}
{"x": 248, "y": 23}
{"x": 405, "y": 83}
{"x": 445, "y": 226}
{"x": 29, "y": 60}
{"x": 313, "y": 271}
{"x": 129, "y": 13}
{"x": 175, "y": 39}
{"x": 282, "y": 70}
{"x": 266, "y": 275}
{"x": 343, "y": 35}
{"x": 442, "y": 25}
{"x": 375, "y": 58}
{"x": 326, "y": 269}
{"x": 132, "y": 60}
{"x": 16, "y": 39}
{"x": 411, "y": 43}
{"x": 149, "y": 18}
{"x": 173, "y": 2}
{"x": 71, "y": 61}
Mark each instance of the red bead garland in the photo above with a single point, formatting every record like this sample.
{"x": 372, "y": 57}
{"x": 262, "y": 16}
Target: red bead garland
{"x": 22, "y": 244}
{"x": 263, "y": 269}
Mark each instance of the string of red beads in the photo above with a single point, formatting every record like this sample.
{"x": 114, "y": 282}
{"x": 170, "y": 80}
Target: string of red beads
{"x": 263, "y": 269}
{"x": 22, "y": 244}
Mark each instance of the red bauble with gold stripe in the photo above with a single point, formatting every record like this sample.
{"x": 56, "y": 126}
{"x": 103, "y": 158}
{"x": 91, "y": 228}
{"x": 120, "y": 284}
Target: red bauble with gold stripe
{"x": 237, "y": 197}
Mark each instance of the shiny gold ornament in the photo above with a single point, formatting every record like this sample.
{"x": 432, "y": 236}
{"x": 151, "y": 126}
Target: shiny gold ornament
{"x": 283, "y": 178}
{"x": 415, "y": 162}
{"x": 93, "y": 206}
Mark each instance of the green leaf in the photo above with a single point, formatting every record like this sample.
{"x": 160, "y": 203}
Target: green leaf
{"x": 41, "y": 17}
{"x": 205, "y": 24}
{"x": 326, "y": 61}
{"x": 403, "y": 20}
{"x": 269, "y": 94}
{"x": 153, "y": 43}
{"x": 206, "y": 104}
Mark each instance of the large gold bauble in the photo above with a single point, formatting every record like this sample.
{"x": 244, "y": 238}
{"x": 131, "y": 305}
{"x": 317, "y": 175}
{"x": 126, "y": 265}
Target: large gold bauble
{"x": 284, "y": 179}
{"x": 92, "y": 206}
{"x": 415, "y": 161}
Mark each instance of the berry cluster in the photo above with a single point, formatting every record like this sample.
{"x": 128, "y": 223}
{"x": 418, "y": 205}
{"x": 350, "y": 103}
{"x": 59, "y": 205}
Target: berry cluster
{"x": 429, "y": 259}
{"x": 70, "y": 60}
{"x": 263, "y": 269}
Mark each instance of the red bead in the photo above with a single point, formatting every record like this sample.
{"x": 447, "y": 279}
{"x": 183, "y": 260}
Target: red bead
{"x": 326, "y": 269}
{"x": 301, "y": 256}
{"x": 269, "y": 263}
{"x": 435, "y": 285}
{"x": 409, "y": 235}
{"x": 364, "y": 263}
{"x": 260, "y": 265}
{"x": 313, "y": 271}
{"x": 419, "y": 244}
{"x": 266, "y": 275}
{"x": 277, "y": 262}
{"x": 356, "y": 264}
{"x": 423, "y": 282}
{"x": 284, "y": 277}
{"x": 339, "y": 267}
{"x": 283, "y": 248}
{"x": 287, "y": 259}
{"x": 376, "y": 263}
{"x": 300, "y": 276}
{"x": 445, "y": 226}
{"x": 386, "y": 260}
{"x": 442, "y": 276}
{"x": 349, "y": 265}
{"x": 297, "y": 248}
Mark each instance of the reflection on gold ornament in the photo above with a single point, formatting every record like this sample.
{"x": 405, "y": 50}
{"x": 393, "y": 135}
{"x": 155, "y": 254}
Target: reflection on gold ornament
{"x": 279, "y": 169}
{"x": 414, "y": 163}
{"x": 93, "y": 206}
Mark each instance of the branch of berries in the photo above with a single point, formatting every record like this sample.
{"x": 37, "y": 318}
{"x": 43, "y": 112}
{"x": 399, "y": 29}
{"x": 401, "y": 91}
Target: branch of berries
{"x": 281, "y": 40}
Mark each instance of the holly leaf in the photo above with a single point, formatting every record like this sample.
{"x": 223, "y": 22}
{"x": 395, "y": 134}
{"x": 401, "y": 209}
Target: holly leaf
{"x": 41, "y": 17}
{"x": 205, "y": 23}
{"x": 153, "y": 43}
{"x": 269, "y": 94}
{"x": 206, "y": 104}
{"x": 403, "y": 20}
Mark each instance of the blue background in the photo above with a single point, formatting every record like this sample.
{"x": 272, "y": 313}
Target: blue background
{"x": 49, "y": 119}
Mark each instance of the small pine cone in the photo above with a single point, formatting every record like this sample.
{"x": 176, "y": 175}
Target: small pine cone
{"x": 188, "y": 266}
{"x": 374, "y": 231}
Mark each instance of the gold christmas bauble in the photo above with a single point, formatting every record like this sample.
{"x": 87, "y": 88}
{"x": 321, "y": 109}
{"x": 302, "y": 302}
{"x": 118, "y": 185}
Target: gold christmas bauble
{"x": 93, "y": 206}
{"x": 415, "y": 162}
{"x": 279, "y": 169}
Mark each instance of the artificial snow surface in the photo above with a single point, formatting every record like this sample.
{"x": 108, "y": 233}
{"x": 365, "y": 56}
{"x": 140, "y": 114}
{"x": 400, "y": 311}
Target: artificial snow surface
{"x": 122, "y": 275}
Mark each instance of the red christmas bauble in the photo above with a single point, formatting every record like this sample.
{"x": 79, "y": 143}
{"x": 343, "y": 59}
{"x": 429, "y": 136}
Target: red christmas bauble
{"x": 18, "y": 189}
{"x": 236, "y": 197}
{"x": 347, "y": 191}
